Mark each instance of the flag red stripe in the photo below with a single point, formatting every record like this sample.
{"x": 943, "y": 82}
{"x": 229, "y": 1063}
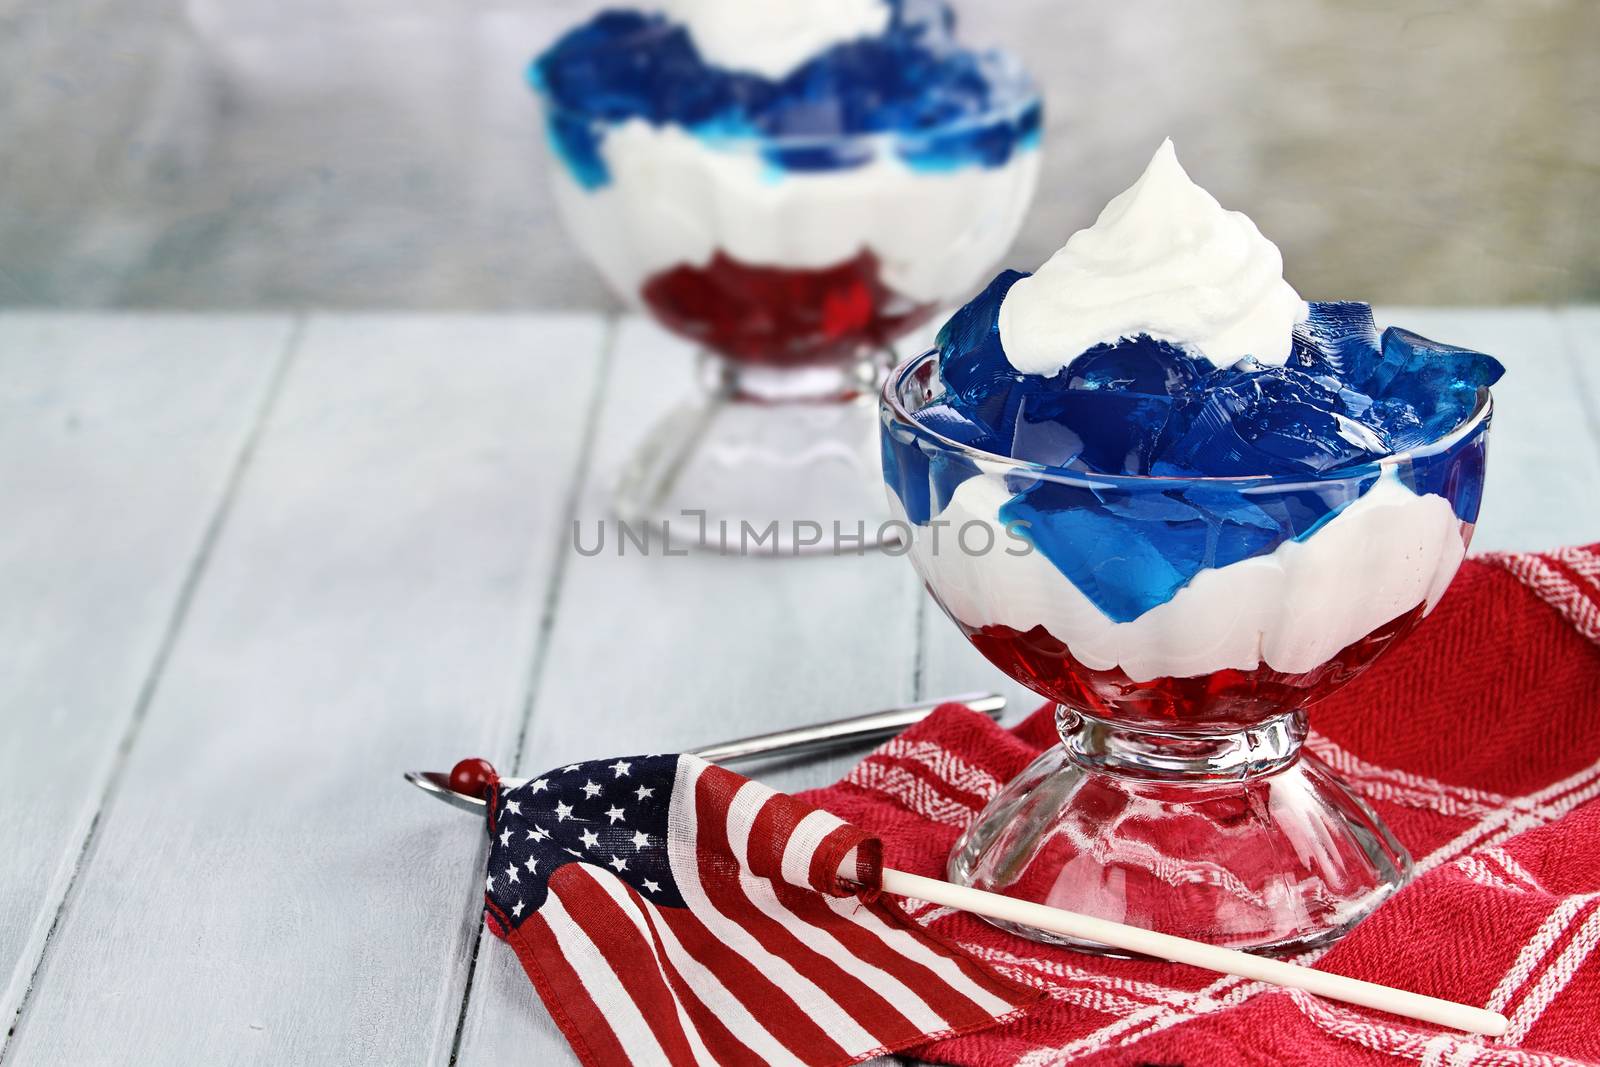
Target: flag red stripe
{"x": 894, "y": 917}
{"x": 713, "y": 794}
{"x": 824, "y": 872}
{"x": 763, "y": 998}
{"x": 777, "y": 821}
{"x": 636, "y": 962}
{"x": 718, "y": 1039}
{"x": 564, "y": 994}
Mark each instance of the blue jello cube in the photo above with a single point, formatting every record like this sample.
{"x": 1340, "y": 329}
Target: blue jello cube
{"x": 948, "y": 421}
{"x": 1129, "y": 551}
{"x": 905, "y": 471}
{"x": 1398, "y": 422}
{"x": 624, "y": 63}
{"x": 1292, "y": 513}
{"x": 982, "y": 144}
{"x": 970, "y": 354}
{"x": 980, "y": 382}
{"x": 1439, "y": 382}
{"x": 1455, "y": 474}
{"x": 1101, "y": 430}
{"x": 1250, "y": 419}
{"x": 889, "y": 82}
{"x": 1338, "y": 339}
{"x": 1314, "y": 437}
{"x": 1044, "y": 439}
{"x": 1107, "y": 410}
{"x": 941, "y": 472}
{"x": 925, "y": 476}
{"x": 575, "y": 144}
{"x": 1136, "y": 365}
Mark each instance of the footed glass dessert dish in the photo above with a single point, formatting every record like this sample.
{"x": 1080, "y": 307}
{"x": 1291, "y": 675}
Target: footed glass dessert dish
{"x": 792, "y": 187}
{"x": 1185, "y": 547}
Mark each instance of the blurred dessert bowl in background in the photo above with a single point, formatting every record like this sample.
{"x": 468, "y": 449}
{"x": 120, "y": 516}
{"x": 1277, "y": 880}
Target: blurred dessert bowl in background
{"x": 792, "y": 186}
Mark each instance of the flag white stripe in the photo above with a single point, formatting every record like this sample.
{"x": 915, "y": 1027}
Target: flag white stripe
{"x": 614, "y": 888}
{"x": 747, "y": 803}
{"x": 797, "y": 871}
{"x": 808, "y": 834}
{"x": 699, "y": 978}
{"x": 903, "y": 943}
{"x": 683, "y": 837}
{"x": 618, "y": 1010}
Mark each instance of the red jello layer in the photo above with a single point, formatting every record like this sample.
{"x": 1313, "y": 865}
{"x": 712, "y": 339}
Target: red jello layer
{"x": 780, "y": 317}
{"x": 1230, "y": 698}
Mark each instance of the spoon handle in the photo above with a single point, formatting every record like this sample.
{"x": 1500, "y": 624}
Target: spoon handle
{"x": 873, "y": 725}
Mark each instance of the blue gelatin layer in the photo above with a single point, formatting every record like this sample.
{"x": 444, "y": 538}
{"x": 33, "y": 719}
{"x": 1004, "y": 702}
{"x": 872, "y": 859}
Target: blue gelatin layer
{"x": 951, "y": 107}
{"x": 1128, "y": 551}
{"x": 1346, "y": 398}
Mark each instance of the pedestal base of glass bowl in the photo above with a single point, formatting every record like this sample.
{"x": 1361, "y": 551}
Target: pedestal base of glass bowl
{"x": 1238, "y": 839}
{"x": 765, "y": 461}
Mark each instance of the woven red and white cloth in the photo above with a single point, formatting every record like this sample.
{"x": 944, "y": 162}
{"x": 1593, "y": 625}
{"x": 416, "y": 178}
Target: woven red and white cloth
{"x": 1478, "y": 739}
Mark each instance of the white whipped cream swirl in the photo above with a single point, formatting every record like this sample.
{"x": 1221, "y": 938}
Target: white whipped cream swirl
{"x": 773, "y": 37}
{"x": 1163, "y": 259}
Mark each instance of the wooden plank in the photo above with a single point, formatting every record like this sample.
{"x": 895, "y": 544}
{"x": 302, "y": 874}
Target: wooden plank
{"x": 119, "y": 437}
{"x": 263, "y": 888}
{"x": 656, "y": 653}
{"x": 1542, "y": 450}
{"x": 1581, "y": 329}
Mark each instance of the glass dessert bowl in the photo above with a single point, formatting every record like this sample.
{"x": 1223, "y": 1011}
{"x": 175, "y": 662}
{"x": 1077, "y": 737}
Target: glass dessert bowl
{"x": 756, "y": 217}
{"x": 1180, "y": 798}
{"x": 1153, "y": 484}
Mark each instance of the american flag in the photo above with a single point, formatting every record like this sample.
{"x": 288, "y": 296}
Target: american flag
{"x": 672, "y": 912}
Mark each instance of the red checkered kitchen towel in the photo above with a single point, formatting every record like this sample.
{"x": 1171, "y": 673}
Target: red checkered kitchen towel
{"x": 1478, "y": 739}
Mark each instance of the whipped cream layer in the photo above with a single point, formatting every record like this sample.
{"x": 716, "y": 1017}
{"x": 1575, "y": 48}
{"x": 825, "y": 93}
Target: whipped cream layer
{"x": 1290, "y": 610}
{"x": 773, "y": 37}
{"x": 1163, "y": 259}
{"x": 675, "y": 199}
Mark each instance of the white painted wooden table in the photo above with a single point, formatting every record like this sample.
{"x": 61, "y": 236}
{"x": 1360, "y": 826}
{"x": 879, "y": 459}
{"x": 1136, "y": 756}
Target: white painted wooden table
{"x": 252, "y": 567}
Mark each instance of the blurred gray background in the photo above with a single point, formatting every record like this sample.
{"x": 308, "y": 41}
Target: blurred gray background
{"x": 385, "y": 154}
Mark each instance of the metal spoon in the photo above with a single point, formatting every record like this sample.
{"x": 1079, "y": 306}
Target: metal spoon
{"x": 867, "y": 727}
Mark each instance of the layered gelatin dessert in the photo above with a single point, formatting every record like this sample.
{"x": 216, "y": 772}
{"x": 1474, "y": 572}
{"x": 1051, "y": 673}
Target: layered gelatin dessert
{"x": 1163, "y": 342}
{"x": 1185, "y": 504}
{"x": 788, "y": 182}
{"x": 792, "y": 185}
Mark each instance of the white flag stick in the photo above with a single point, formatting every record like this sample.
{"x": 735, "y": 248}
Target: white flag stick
{"x": 1196, "y": 953}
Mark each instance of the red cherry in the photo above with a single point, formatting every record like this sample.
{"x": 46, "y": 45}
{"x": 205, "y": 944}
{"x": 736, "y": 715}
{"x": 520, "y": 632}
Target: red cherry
{"x": 473, "y": 777}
